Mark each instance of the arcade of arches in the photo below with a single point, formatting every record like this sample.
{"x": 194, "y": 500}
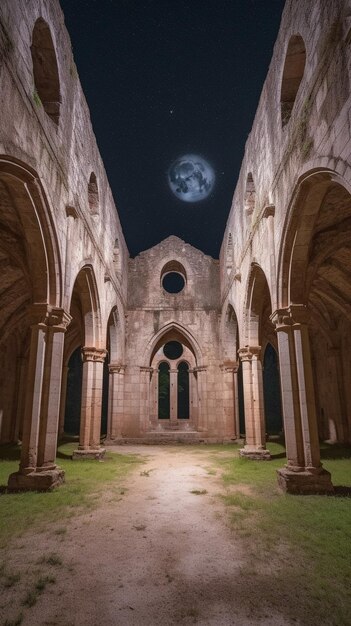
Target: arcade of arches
{"x": 174, "y": 345}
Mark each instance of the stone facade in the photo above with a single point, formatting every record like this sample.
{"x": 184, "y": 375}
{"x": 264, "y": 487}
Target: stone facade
{"x": 283, "y": 278}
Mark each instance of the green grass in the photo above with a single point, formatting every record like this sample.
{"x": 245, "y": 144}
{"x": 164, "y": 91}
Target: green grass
{"x": 82, "y": 489}
{"x": 307, "y": 538}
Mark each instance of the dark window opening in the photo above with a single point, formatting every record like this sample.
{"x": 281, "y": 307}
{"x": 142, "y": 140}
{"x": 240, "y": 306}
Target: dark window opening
{"x": 173, "y": 350}
{"x": 163, "y": 391}
{"x": 173, "y": 282}
{"x": 45, "y": 70}
{"x": 183, "y": 391}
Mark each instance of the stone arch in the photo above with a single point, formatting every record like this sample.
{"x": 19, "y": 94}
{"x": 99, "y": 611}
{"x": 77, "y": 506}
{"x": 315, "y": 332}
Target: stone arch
{"x": 315, "y": 277}
{"x": 293, "y": 70}
{"x": 93, "y": 195}
{"x": 229, "y": 334}
{"x": 31, "y": 280}
{"x": 173, "y": 276}
{"x": 258, "y": 308}
{"x": 45, "y": 70}
{"x": 172, "y": 332}
{"x": 86, "y": 306}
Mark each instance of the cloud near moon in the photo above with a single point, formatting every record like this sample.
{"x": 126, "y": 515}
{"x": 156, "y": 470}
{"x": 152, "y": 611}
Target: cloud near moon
{"x": 191, "y": 178}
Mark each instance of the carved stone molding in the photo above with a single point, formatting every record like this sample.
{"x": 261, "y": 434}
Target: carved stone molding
{"x": 116, "y": 368}
{"x": 249, "y": 352}
{"x": 293, "y": 315}
{"x": 47, "y": 316}
{"x": 269, "y": 211}
{"x": 96, "y": 355}
{"x": 71, "y": 211}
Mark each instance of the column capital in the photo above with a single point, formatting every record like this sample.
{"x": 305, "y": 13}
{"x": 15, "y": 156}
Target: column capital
{"x": 247, "y": 353}
{"x": 48, "y": 316}
{"x": 116, "y": 368}
{"x": 145, "y": 368}
{"x": 230, "y": 366}
{"x": 292, "y": 315}
{"x": 97, "y": 355}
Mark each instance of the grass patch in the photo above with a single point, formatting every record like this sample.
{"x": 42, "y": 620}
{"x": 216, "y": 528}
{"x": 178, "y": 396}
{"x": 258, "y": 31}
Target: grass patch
{"x": 85, "y": 480}
{"x": 51, "y": 559}
{"x": 306, "y": 539}
{"x": 43, "y": 581}
{"x": 199, "y": 492}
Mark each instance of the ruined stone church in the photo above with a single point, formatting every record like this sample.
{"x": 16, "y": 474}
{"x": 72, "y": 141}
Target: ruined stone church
{"x": 181, "y": 362}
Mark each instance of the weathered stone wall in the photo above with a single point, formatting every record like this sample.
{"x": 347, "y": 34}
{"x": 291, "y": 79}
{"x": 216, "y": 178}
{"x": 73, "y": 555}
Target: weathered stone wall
{"x": 191, "y": 316}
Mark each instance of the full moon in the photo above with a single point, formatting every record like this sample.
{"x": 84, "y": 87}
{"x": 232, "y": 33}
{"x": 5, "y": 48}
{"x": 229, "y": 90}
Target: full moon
{"x": 191, "y": 178}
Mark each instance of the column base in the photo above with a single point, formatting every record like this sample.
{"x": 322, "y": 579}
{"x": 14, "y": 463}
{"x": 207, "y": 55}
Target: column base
{"x": 90, "y": 454}
{"x": 42, "y": 480}
{"x": 306, "y": 482}
{"x": 255, "y": 454}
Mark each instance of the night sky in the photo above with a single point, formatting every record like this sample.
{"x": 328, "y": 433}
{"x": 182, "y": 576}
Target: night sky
{"x": 164, "y": 78}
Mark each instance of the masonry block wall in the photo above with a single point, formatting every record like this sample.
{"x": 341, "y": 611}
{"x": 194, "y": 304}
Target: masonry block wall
{"x": 282, "y": 281}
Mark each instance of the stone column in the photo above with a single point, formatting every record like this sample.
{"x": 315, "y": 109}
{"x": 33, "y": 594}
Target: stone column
{"x": 255, "y": 446}
{"x": 42, "y": 403}
{"x": 90, "y": 417}
{"x": 303, "y": 472}
{"x": 229, "y": 400}
{"x": 115, "y": 401}
{"x": 200, "y": 373}
{"x": 145, "y": 376}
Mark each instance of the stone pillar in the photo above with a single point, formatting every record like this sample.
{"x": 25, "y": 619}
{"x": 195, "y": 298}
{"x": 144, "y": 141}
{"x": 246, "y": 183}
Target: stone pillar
{"x": 63, "y": 401}
{"x": 255, "y": 446}
{"x": 145, "y": 377}
{"x": 38, "y": 470}
{"x": 200, "y": 373}
{"x": 229, "y": 400}
{"x": 90, "y": 417}
{"x": 303, "y": 472}
{"x": 115, "y": 401}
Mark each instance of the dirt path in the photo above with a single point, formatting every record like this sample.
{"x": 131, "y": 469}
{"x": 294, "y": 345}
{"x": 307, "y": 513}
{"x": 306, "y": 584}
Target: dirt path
{"x": 156, "y": 552}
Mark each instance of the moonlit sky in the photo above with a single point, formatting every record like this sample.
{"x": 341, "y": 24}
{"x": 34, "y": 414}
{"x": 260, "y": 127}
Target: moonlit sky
{"x": 164, "y": 78}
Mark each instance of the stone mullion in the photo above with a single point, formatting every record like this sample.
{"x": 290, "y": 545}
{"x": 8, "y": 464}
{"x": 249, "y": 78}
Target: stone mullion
{"x": 201, "y": 373}
{"x": 173, "y": 389}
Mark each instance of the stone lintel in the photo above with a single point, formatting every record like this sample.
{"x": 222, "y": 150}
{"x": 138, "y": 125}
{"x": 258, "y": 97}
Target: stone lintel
{"x": 308, "y": 482}
{"x": 255, "y": 453}
{"x": 89, "y": 454}
{"x": 43, "y": 480}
